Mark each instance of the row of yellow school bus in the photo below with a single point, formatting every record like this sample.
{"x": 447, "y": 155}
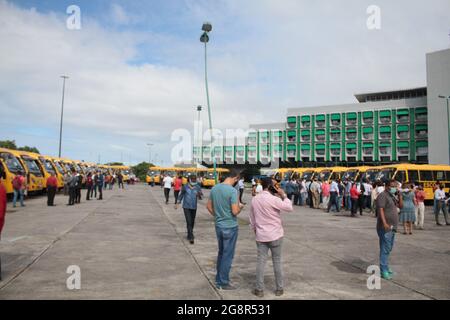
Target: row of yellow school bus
{"x": 37, "y": 168}
{"x": 425, "y": 175}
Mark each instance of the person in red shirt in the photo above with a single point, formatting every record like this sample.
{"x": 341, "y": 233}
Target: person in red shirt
{"x": 420, "y": 208}
{"x": 2, "y": 211}
{"x": 354, "y": 195}
{"x": 177, "y": 185}
{"x": 52, "y": 185}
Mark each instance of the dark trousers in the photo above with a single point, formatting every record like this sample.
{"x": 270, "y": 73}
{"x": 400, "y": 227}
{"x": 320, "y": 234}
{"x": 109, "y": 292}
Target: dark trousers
{"x": 176, "y": 193}
{"x": 71, "y": 195}
{"x": 310, "y": 199}
{"x": 190, "y": 214}
{"x": 51, "y": 192}
{"x": 333, "y": 201}
{"x": 93, "y": 191}
{"x": 88, "y": 192}
{"x": 241, "y": 193}
{"x": 296, "y": 199}
{"x": 354, "y": 206}
{"x": 290, "y": 195}
{"x": 100, "y": 193}
{"x": 361, "y": 204}
{"x": 121, "y": 185}
{"x": 166, "y": 194}
{"x": 77, "y": 195}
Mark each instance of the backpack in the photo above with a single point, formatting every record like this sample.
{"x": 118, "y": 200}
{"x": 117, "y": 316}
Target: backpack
{"x": 17, "y": 183}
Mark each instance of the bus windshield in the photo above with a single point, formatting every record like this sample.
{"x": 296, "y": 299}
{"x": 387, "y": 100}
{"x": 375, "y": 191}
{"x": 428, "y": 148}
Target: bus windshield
{"x": 58, "y": 167}
{"x": 32, "y": 166}
{"x": 349, "y": 175}
{"x": 324, "y": 175}
{"x": 386, "y": 174}
{"x": 48, "y": 166}
{"x": 12, "y": 163}
{"x": 153, "y": 173}
{"x": 370, "y": 175}
{"x": 307, "y": 175}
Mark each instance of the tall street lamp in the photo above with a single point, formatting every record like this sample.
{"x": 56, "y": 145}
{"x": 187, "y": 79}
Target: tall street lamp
{"x": 448, "y": 120}
{"x": 204, "y": 38}
{"x": 199, "y": 132}
{"x": 150, "y": 152}
{"x": 62, "y": 113}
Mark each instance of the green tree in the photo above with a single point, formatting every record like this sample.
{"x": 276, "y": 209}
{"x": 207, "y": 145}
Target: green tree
{"x": 8, "y": 144}
{"x": 29, "y": 149}
{"x": 141, "y": 169}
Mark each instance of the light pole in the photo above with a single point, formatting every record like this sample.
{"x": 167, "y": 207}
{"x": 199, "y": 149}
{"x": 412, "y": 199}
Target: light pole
{"x": 150, "y": 152}
{"x": 199, "y": 133}
{"x": 62, "y": 113}
{"x": 204, "y": 38}
{"x": 448, "y": 121}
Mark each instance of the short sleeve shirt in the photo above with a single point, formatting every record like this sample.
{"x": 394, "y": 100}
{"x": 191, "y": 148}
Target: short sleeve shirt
{"x": 386, "y": 201}
{"x": 222, "y": 197}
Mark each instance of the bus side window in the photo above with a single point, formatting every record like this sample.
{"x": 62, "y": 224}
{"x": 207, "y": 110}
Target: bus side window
{"x": 401, "y": 176}
{"x": 413, "y": 176}
{"x": 439, "y": 175}
{"x": 426, "y": 176}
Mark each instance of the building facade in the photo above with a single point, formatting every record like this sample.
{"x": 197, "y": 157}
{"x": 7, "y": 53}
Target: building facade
{"x": 409, "y": 125}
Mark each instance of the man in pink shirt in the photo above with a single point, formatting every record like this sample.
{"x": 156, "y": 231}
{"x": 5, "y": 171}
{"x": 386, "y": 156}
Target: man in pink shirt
{"x": 265, "y": 220}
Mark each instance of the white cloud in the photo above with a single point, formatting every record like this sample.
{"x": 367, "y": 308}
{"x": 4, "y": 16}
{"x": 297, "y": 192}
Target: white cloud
{"x": 119, "y": 15}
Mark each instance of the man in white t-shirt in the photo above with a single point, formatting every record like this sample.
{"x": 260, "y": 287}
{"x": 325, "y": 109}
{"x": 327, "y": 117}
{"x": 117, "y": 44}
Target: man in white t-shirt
{"x": 167, "y": 182}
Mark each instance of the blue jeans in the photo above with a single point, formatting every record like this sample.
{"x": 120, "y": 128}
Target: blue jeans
{"x": 348, "y": 202}
{"x": 18, "y": 193}
{"x": 386, "y": 246}
{"x": 226, "y": 239}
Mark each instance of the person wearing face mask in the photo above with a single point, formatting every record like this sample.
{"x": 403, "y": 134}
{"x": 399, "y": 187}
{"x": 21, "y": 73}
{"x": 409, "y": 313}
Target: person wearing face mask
{"x": 408, "y": 211}
{"x": 188, "y": 197}
{"x": 224, "y": 206}
{"x": 389, "y": 202}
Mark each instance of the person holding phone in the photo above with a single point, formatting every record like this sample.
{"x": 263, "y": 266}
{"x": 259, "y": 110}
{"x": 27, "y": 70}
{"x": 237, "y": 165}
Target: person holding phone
{"x": 265, "y": 220}
{"x": 389, "y": 204}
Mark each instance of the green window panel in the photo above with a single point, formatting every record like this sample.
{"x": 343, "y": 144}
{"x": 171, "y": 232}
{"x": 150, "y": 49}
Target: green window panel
{"x": 292, "y": 119}
{"x": 320, "y": 147}
{"x": 277, "y": 133}
{"x": 351, "y": 146}
{"x": 251, "y": 148}
{"x": 265, "y": 148}
{"x": 320, "y": 117}
{"x": 335, "y": 130}
{"x": 421, "y": 110}
{"x": 368, "y": 130}
{"x": 252, "y": 135}
{"x": 403, "y": 112}
{"x": 422, "y": 144}
{"x": 292, "y": 134}
{"x": 335, "y": 117}
{"x": 228, "y": 148}
{"x": 385, "y": 129}
{"x": 385, "y": 114}
{"x": 403, "y": 144}
{"x": 306, "y": 133}
{"x": 422, "y": 127}
{"x": 305, "y": 147}
{"x": 402, "y": 128}
{"x": 306, "y": 118}
{"x": 291, "y": 147}
{"x": 368, "y": 145}
{"x": 217, "y": 148}
{"x": 367, "y": 114}
{"x": 320, "y": 131}
{"x": 352, "y": 116}
{"x": 240, "y": 148}
{"x": 335, "y": 146}
{"x": 351, "y": 130}
{"x": 278, "y": 147}
{"x": 385, "y": 144}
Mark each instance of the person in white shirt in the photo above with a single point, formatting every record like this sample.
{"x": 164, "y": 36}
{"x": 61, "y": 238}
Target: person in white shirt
{"x": 334, "y": 194}
{"x": 439, "y": 196}
{"x": 167, "y": 182}
{"x": 303, "y": 192}
{"x": 241, "y": 188}
{"x": 367, "y": 195}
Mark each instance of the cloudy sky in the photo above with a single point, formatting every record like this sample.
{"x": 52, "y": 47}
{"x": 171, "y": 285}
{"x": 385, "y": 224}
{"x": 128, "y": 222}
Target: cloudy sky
{"x": 136, "y": 67}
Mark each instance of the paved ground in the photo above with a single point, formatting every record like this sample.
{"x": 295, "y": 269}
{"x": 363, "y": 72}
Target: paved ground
{"x": 132, "y": 246}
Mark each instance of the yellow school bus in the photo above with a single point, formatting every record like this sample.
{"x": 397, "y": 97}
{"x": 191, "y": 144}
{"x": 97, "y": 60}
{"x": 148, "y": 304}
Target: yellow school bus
{"x": 283, "y": 174}
{"x": 34, "y": 171}
{"x": 124, "y": 170}
{"x": 60, "y": 171}
{"x": 328, "y": 174}
{"x": 208, "y": 180}
{"x": 49, "y": 168}
{"x": 187, "y": 173}
{"x": 425, "y": 175}
{"x": 298, "y": 173}
{"x": 153, "y": 175}
{"x": 11, "y": 165}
